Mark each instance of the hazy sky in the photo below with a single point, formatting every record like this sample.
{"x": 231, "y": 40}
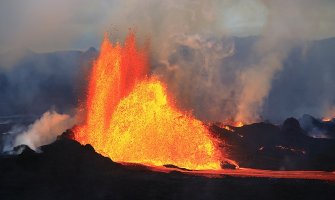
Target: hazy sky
{"x": 191, "y": 45}
{"x": 47, "y": 25}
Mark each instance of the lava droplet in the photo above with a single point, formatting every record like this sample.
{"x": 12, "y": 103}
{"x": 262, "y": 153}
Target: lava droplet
{"x": 131, "y": 119}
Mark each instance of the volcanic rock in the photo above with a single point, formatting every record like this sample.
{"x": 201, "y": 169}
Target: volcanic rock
{"x": 228, "y": 165}
{"x": 291, "y": 126}
{"x": 317, "y": 128}
{"x": 67, "y": 170}
{"x": 286, "y": 147}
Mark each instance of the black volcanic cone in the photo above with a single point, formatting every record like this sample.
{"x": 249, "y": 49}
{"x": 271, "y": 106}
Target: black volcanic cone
{"x": 285, "y": 147}
{"x": 291, "y": 126}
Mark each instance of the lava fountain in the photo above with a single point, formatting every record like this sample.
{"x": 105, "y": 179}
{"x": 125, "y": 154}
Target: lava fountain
{"x": 130, "y": 117}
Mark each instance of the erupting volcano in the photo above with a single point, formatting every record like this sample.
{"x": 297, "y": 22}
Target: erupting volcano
{"x": 131, "y": 119}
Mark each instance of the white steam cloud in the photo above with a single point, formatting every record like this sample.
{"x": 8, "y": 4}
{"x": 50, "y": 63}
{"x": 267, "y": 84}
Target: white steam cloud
{"x": 45, "y": 130}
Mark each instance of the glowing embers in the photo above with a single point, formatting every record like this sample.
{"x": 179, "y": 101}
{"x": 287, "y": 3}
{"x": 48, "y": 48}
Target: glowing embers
{"x": 232, "y": 123}
{"x": 328, "y": 119}
{"x": 229, "y": 125}
{"x": 130, "y": 119}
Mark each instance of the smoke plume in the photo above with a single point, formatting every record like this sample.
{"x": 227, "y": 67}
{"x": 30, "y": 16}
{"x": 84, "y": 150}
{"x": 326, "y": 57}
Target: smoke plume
{"x": 196, "y": 46}
{"x": 45, "y": 130}
{"x": 283, "y": 31}
{"x": 204, "y": 72}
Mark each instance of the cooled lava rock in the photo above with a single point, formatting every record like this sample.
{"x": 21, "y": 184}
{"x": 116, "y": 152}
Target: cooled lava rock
{"x": 292, "y": 126}
{"x": 228, "y": 165}
{"x": 66, "y": 169}
{"x": 317, "y": 128}
{"x": 286, "y": 147}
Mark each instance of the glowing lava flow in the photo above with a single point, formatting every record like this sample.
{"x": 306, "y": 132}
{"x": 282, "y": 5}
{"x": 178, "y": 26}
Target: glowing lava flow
{"x": 233, "y": 123}
{"x": 130, "y": 118}
{"x": 229, "y": 125}
{"x": 327, "y": 119}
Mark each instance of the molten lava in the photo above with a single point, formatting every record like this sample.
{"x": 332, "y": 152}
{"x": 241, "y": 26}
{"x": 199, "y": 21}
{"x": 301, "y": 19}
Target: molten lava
{"x": 231, "y": 122}
{"x": 229, "y": 125}
{"x": 130, "y": 118}
{"x": 228, "y": 128}
{"x": 327, "y": 119}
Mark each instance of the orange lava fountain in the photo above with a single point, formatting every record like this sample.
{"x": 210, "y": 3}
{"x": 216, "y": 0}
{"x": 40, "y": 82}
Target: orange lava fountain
{"x": 131, "y": 119}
